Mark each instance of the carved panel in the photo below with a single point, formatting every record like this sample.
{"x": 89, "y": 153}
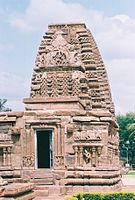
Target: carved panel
{"x": 28, "y": 161}
{"x": 87, "y": 155}
{"x": 86, "y": 136}
{"x": 59, "y": 161}
{"x": 5, "y": 137}
{"x": 60, "y": 58}
{"x": 59, "y": 84}
{"x": 60, "y": 52}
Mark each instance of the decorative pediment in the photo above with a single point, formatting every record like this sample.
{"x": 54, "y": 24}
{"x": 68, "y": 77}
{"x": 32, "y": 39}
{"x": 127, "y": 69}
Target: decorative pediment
{"x": 59, "y": 53}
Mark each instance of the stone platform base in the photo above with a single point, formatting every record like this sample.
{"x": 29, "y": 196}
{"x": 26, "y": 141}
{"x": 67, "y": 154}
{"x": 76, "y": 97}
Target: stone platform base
{"x": 59, "y": 192}
{"x": 17, "y": 191}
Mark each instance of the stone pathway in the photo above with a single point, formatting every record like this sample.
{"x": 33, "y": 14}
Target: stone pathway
{"x": 128, "y": 182}
{"x": 128, "y": 179}
{"x": 49, "y": 198}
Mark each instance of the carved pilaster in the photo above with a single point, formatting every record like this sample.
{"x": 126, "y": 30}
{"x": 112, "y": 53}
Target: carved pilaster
{"x": 62, "y": 139}
{"x": 93, "y": 156}
{"x": 81, "y": 156}
{"x": 99, "y": 149}
{"x": 58, "y": 141}
{"x": 4, "y": 156}
{"x": 76, "y": 155}
{"x": 9, "y": 156}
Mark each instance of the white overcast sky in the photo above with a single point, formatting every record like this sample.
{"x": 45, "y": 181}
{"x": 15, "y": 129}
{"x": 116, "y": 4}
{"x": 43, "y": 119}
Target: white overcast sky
{"x": 23, "y": 23}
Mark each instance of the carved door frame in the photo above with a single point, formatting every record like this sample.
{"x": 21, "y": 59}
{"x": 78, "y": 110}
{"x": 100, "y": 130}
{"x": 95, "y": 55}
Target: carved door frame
{"x": 58, "y": 137}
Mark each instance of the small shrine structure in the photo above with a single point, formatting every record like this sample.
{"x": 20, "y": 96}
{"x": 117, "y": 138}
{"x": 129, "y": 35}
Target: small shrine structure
{"x": 67, "y": 136}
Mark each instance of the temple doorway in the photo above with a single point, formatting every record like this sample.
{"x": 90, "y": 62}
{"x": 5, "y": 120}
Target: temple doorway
{"x": 44, "y": 148}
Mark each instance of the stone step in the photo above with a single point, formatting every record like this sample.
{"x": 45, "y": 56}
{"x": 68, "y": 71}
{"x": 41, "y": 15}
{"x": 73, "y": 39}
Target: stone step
{"x": 6, "y": 168}
{"x": 18, "y": 191}
{"x": 42, "y": 173}
{"x": 40, "y": 193}
{"x": 14, "y": 180}
{"x": 49, "y": 190}
{"x": 9, "y": 174}
{"x": 43, "y": 181}
{"x": 29, "y": 196}
{"x": 39, "y": 176}
{"x": 6, "y": 174}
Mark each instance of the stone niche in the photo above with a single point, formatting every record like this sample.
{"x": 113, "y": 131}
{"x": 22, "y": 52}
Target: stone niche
{"x": 67, "y": 135}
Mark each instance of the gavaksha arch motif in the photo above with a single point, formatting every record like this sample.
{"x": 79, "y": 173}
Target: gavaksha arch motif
{"x": 59, "y": 52}
{"x": 67, "y": 136}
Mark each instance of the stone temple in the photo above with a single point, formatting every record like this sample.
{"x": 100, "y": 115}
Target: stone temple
{"x": 67, "y": 136}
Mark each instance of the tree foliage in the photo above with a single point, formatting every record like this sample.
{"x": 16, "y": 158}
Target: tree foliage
{"x": 3, "y": 108}
{"x": 127, "y": 137}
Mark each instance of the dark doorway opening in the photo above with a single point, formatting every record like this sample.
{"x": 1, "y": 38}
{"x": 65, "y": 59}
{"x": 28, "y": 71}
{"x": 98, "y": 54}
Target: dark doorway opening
{"x": 44, "y": 149}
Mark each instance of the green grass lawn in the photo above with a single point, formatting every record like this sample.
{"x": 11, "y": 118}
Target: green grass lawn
{"x": 131, "y": 173}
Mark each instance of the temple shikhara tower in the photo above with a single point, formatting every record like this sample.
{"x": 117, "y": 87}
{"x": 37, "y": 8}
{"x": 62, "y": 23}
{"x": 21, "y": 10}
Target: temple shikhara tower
{"x": 67, "y": 136}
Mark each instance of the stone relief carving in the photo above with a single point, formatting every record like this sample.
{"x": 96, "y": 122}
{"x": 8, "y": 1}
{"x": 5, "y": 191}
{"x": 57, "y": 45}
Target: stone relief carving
{"x": 86, "y": 154}
{"x": 60, "y": 58}
{"x": 59, "y": 84}
{"x": 70, "y": 128}
{"x": 28, "y": 161}
{"x": 15, "y": 130}
{"x": 59, "y": 161}
{"x": 86, "y": 136}
{"x": 60, "y": 52}
{"x": 5, "y": 137}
